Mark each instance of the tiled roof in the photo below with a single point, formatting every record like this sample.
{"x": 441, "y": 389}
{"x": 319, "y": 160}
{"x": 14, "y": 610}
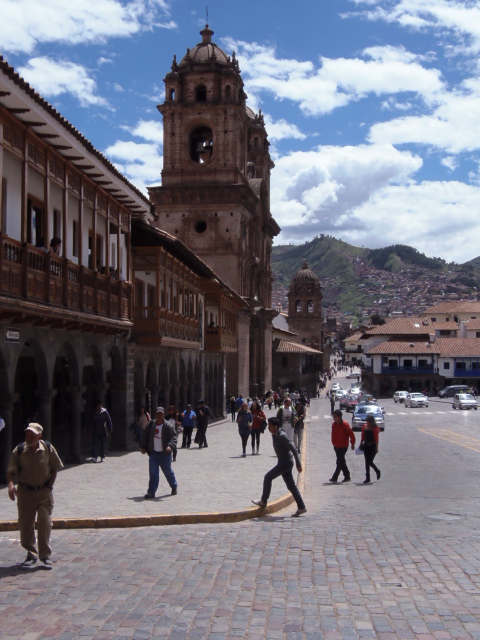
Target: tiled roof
{"x": 293, "y": 347}
{"x": 354, "y": 338}
{"x": 400, "y": 347}
{"x": 443, "y": 326}
{"x": 403, "y": 326}
{"x": 472, "y": 324}
{"x": 459, "y": 347}
{"x": 464, "y": 306}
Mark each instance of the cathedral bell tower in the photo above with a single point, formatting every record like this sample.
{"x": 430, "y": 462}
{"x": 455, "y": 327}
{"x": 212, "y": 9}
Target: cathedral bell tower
{"x": 305, "y": 307}
{"x": 215, "y": 193}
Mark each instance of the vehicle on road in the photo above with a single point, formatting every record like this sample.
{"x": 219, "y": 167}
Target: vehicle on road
{"x": 362, "y": 411}
{"x": 452, "y": 390}
{"x": 416, "y": 400}
{"x": 335, "y": 386}
{"x": 353, "y": 376}
{"x": 399, "y": 396}
{"x": 354, "y": 390}
{"x": 464, "y": 401}
{"x": 340, "y": 393}
{"x": 349, "y": 402}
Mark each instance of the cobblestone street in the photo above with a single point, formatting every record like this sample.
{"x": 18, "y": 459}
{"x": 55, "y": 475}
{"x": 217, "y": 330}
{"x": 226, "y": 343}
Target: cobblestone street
{"x": 399, "y": 558}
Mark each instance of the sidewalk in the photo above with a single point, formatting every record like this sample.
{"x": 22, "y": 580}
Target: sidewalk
{"x": 214, "y": 485}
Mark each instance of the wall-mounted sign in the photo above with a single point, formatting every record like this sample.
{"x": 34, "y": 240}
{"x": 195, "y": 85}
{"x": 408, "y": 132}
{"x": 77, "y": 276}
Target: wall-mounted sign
{"x": 11, "y": 335}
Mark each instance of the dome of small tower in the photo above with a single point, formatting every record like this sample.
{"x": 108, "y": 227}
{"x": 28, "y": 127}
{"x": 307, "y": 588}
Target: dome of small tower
{"x": 305, "y": 274}
{"x": 205, "y": 52}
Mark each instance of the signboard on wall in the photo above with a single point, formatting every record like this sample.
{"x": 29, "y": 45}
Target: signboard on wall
{"x": 11, "y": 335}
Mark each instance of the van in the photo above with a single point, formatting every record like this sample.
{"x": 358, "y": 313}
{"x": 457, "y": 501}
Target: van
{"x": 449, "y": 392}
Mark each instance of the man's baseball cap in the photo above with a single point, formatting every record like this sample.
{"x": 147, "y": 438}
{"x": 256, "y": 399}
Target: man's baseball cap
{"x": 36, "y": 428}
{"x": 160, "y": 410}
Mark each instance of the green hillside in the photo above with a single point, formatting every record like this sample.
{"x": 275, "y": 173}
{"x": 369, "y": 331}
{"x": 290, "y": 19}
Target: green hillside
{"x": 355, "y": 278}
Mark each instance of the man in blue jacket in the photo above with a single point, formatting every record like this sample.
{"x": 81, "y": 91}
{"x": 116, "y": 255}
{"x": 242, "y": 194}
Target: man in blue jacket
{"x": 286, "y": 452}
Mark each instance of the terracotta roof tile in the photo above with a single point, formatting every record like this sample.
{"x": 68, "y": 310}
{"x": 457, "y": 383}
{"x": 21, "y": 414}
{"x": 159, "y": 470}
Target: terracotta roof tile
{"x": 443, "y": 326}
{"x": 403, "y": 326}
{"x": 293, "y": 347}
{"x": 398, "y": 347}
{"x": 459, "y": 347}
{"x": 472, "y": 324}
{"x": 465, "y": 306}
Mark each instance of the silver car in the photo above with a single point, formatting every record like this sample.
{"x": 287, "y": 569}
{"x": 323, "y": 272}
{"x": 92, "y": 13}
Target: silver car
{"x": 399, "y": 396}
{"x": 362, "y": 411}
{"x": 464, "y": 401}
{"x": 416, "y": 400}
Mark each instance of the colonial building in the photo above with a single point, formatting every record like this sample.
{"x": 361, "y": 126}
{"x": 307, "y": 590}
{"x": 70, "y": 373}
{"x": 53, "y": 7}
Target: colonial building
{"x": 215, "y": 194}
{"x": 123, "y": 313}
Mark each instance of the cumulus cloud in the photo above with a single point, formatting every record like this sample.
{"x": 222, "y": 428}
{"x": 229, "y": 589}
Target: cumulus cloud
{"x": 337, "y": 82}
{"x": 139, "y": 162}
{"x": 281, "y": 129}
{"x": 460, "y": 17}
{"x": 25, "y": 23}
{"x": 150, "y": 130}
{"x": 52, "y": 78}
{"x": 319, "y": 191}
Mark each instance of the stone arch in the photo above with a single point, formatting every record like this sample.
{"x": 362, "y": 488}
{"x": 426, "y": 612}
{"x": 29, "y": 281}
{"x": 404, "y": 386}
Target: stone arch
{"x": 66, "y": 404}
{"x": 183, "y": 386}
{"x": 138, "y": 385}
{"x": 31, "y": 390}
{"x": 93, "y": 377}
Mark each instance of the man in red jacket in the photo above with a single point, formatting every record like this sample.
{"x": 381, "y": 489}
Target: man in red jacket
{"x": 341, "y": 434}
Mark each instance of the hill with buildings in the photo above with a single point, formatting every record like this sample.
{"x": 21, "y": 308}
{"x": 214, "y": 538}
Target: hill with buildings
{"x": 358, "y": 282}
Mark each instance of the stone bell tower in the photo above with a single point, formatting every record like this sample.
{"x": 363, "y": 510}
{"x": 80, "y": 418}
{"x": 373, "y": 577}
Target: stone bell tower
{"x": 215, "y": 193}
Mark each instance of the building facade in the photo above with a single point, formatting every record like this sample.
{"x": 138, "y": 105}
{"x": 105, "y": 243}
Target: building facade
{"x": 215, "y": 195}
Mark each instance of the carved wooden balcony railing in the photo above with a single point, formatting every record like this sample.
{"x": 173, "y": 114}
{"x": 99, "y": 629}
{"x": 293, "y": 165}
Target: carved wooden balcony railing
{"x": 152, "y": 324}
{"x": 32, "y": 274}
{"x": 219, "y": 339}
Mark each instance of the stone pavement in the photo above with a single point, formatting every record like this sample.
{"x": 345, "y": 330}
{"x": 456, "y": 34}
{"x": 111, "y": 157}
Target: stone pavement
{"x": 216, "y": 481}
{"x": 399, "y": 558}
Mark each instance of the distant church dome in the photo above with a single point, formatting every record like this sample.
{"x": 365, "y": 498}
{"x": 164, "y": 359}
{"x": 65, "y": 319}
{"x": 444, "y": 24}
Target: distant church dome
{"x": 205, "y": 52}
{"x": 305, "y": 274}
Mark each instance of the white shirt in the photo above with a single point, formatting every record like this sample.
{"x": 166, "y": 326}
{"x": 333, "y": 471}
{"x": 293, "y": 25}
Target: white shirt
{"x": 157, "y": 438}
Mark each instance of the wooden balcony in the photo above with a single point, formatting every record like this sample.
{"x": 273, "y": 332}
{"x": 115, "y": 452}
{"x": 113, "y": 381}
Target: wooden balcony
{"x": 157, "y": 325}
{"x": 32, "y": 274}
{"x": 218, "y": 339}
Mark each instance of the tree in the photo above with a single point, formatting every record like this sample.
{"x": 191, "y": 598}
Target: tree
{"x": 376, "y": 318}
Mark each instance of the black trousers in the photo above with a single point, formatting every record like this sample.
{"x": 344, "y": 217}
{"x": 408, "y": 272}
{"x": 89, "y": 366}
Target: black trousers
{"x": 370, "y": 452}
{"x": 202, "y": 436}
{"x": 187, "y": 436}
{"x": 283, "y": 468}
{"x": 341, "y": 464}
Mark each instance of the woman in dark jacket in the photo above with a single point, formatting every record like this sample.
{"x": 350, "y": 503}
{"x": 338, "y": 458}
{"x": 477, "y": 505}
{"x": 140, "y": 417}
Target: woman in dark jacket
{"x": 258, "y": 418}
{"x": 244, "y": 421}
{"x": 299, "y": 426}
{"x": 370, "y": 437}
{"x": 232, "y": 407}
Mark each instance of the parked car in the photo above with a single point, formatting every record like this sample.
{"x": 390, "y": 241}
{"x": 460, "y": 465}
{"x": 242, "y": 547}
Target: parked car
{"x": 464, "y": 401}
{"x": 362, "y": 411}
{"x": 399, "y": 396}
{"x": 416, "y": 400}
{"x": 452, "y": 390}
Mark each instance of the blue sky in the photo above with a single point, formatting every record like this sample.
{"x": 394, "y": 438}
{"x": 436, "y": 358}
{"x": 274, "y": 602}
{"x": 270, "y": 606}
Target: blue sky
{"x": 372, "y": 106}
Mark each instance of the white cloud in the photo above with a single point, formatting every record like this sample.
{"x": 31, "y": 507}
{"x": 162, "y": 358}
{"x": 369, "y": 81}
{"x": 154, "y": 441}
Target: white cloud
{"x": 51, "y": 79}
{"x": 450, "y": 162}
{"x": 336, "y": 82}
{"x": 150, "y": 130}
{"x": 461, "y": 17}
{"x": 281, "y": 129}
{"x": 319, "y": 191}
{"x": 141, "y": 163}
{"x": 25, "y": 23}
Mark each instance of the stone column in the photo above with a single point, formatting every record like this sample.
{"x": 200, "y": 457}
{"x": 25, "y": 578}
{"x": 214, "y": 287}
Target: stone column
{"x": 45, "y": 408}
{"x": 75, "y": 425}
{"x": 6, "y": 438}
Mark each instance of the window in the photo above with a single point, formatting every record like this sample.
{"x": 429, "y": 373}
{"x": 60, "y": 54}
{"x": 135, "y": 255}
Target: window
{"x": 201, "y": 144}
{"x": 408, "y": 364}
{"x": 35, "y": 223}
{"x": 461, "y": 365}
{"x": 172, "y": 94}
{"x": 57, "y": 223}
{"x": 228, "y": 91}
{"x": 298, "y": 306}
{"x": 75, "y": 240}
{"x": 422, "y": 363}
{"x": 3, "y": 205}
{"x": 310, "y": 306}
{"x": 201, "y": 94}
{"x": 393, "y": 364}
{"x": 446, "y": 365}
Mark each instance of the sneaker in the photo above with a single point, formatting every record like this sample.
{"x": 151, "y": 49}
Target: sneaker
{"x": 92, "y": 459}
{"x": 332, "y": 480}
{"x": 260, "y": 503}
{"x": 29, "y": 561}
{"x": 47, "y": 563}
{"x": 149, "y": 496}
{"x": 244, "y": 454}
{"x": 102, "y": 459}
{"x": 346, "y": 480}
{"x": 379, "y": 475}
{"x": 299, "y": 512}
{"x": 174, "y": 491}
{"x": 366, "y": 481}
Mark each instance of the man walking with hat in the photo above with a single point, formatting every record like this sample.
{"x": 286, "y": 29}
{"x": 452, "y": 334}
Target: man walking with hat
{"x": 158, "y": 440}
{"x": 34, "y": 463}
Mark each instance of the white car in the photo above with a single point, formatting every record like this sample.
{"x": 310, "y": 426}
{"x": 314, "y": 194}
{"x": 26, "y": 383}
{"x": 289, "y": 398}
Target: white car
{"x": 464, "y": 401}
{"x": 399, "y": 396}
{"x": 340, "y": 393}
{"x": 335, "y": 386}
{"x": 416, "y": 400}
